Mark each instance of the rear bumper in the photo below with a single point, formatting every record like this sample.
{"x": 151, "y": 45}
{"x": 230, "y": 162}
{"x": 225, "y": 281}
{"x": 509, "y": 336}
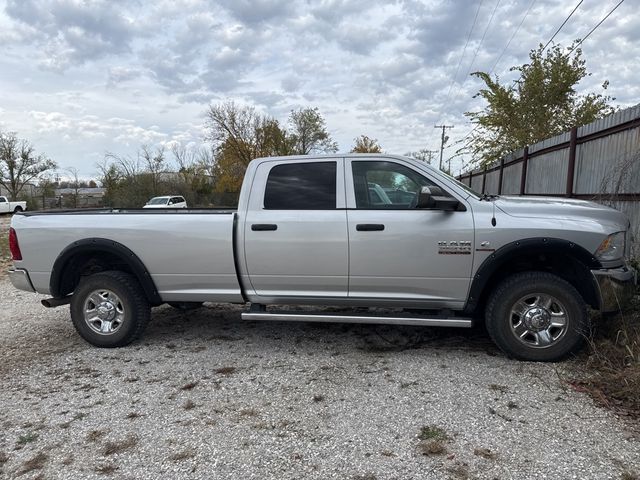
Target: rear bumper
{"x": 616, "y": 287}
{"x": 20, "y": 279}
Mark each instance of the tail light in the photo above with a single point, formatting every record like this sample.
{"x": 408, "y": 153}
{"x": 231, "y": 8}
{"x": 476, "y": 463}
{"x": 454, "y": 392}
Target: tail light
{"x": 16, "y": 254}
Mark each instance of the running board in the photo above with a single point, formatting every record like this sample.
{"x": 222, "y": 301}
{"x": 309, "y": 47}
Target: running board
{"x": 460, "y": 322}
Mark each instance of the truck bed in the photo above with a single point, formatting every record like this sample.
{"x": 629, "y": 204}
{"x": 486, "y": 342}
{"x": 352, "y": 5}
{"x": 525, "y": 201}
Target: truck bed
{"x": 188, "y": 253}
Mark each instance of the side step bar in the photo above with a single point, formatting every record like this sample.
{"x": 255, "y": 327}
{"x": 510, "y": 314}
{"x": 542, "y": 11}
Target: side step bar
{"x": 379, "y": 320}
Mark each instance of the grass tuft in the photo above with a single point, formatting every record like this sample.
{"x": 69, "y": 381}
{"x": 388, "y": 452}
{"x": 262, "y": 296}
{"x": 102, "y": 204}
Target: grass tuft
{"x": 95, "y": 435}
{"x": 485, "y": 453}
{"x": 225, "y": 370}
{"x": 29, "y": 437}
{"x": 120, "y": 446}
{"x": 183, "y": 455}
{"x": 612, "y": 370}
{"x": 431, "y": 432}
{"x": 34, "y": 463}
{"x": 105, "y": 469}
{"x": 432, "y": 440}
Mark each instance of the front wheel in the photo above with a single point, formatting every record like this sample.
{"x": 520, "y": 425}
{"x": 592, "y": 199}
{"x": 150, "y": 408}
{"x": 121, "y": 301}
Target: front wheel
{"x": 109, "y": 309}
{"x": 537, "y": 316}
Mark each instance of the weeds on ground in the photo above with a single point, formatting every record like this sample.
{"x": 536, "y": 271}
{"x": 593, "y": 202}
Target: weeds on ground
{"x": 612, "y": 373}
{"x": 119, "y": 446}
{"x": 432, "y": 440}
{"x": 34, "y": 463}
{"x": 105, "y": 469}
{"x": 27, "y": 438}
{"x": 225, "y": 370}
{"x": 95, "y": 435}
{"x": 183, "y": 455}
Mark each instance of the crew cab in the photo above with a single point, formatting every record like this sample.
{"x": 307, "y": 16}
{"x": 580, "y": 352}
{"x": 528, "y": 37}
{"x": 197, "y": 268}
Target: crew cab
{"x": 11, "y": 207}
{"x": 362, "y": 230}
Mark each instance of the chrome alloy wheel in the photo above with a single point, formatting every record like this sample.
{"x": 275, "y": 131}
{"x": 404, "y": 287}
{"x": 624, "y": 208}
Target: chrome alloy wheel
{"x": 103, "y": 312}
{"x": 538, "y": 320}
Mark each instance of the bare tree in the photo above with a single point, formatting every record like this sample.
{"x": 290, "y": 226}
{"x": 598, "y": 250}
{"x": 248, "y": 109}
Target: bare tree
{"x": 155, "y": 164}
{"x": 19, "y": 163}
{"x": 74, "y": 184}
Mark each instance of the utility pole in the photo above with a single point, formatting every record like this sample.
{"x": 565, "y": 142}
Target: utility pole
{"x": 443, "y": 140}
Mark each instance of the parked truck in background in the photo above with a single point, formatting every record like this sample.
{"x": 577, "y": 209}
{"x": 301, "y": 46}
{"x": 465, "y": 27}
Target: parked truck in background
{"x": 11, "y": 207}
{"x": 316, "y": 231}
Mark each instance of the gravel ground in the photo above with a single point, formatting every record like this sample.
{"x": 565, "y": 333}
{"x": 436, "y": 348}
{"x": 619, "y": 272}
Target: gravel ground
{"x": 206, "y": 395}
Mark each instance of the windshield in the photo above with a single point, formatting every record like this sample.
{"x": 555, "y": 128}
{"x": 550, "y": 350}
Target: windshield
{"x": 462, "y": 185}
{"x": 158, "y": 201}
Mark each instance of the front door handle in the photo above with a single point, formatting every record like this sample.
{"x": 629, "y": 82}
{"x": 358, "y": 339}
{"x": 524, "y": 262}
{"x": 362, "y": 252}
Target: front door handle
{"x": 264, "y": 227}
{"x": 369, "y": 227}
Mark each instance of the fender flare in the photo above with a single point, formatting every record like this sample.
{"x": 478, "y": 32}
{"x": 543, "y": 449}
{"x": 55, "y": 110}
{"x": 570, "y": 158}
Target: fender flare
{"x": 102, "y": 245}
{"x": 508, "y": 252}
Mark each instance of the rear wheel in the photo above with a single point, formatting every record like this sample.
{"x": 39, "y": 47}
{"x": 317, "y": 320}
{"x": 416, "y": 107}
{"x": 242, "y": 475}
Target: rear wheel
{"x": 537, "y": 316}
{"x": 109, "y": 309}
{"x": 18, "y": 209}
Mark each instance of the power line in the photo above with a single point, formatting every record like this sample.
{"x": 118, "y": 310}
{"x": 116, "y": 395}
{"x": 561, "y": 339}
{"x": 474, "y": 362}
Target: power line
{"x": 512, "y": 37}
{"x": 482, "y": 39}
{"x": 599, "y": 23}
{"x": 464, "y": 50}
{"x": 563, "y": 23}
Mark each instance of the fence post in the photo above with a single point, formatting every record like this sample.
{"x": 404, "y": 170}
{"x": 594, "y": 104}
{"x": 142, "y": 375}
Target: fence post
{"x": 470, "y": 178}
{"x": 484, "y": 179}
{"x": 523, "y": 177}
{"x": 573, "y": 141}
{"x": 500, "y": 176}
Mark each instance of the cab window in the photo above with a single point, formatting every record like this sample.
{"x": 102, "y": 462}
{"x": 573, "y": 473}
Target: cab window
{"x": 301, "y": 186}
{"x": 387, "y": 185}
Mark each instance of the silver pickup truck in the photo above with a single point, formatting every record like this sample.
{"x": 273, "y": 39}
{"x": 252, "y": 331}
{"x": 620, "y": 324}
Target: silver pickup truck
{"x": 351, "y": 231}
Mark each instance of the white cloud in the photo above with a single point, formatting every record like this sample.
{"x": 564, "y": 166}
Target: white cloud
{"x": 105, "y": 75}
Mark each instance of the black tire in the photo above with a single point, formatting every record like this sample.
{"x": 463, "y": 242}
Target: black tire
{"x": 125, "y": 301}
{"x": 18, "y": 209}
{"x": 523, "y": 335}
{"x": 186, "y": 306}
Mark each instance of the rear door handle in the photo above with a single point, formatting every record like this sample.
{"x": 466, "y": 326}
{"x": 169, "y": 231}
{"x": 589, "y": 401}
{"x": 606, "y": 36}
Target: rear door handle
{"x": 264, "y": 227}
{"x": 369, "y": 227}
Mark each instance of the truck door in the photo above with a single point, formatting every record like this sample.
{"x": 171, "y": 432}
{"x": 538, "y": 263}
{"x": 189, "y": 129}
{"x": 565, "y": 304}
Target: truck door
{"x": 4, "y": 205}
{"x": 295, "y": 230}
{"x": 399, "y": 252}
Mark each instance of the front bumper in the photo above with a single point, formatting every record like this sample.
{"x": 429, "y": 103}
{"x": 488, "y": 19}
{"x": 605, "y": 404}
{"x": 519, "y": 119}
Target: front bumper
{"x": 20, "y": 279}
{"x": 616, "y": 287}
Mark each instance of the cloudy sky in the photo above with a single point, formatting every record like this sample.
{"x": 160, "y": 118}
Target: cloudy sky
{"x": 79, "y": 78}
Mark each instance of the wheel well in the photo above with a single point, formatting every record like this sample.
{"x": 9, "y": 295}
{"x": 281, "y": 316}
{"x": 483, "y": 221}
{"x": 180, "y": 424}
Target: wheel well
{"x": 565, "y": 266}
{"x": 91, "y": 256}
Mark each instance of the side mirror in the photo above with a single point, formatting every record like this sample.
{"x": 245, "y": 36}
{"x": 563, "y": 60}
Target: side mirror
{"x": 425, "y": 199}
{"x": 433, "y": 198}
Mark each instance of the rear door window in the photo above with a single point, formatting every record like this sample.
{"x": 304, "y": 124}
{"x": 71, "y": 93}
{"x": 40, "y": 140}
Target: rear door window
{"x": 301, "y": 186}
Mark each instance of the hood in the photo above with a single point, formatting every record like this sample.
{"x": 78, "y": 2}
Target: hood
{"x": 560, "y": 208}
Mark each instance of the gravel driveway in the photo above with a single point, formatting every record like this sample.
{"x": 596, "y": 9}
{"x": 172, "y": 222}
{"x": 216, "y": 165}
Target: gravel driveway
{"x": 206, "y": 395}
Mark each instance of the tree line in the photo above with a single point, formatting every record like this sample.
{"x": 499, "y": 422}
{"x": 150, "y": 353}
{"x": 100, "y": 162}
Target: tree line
{"x": 542, "y": 102}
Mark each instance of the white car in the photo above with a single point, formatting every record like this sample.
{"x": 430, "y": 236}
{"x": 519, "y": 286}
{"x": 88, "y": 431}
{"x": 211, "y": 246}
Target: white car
{"x": 168, "y": 201}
